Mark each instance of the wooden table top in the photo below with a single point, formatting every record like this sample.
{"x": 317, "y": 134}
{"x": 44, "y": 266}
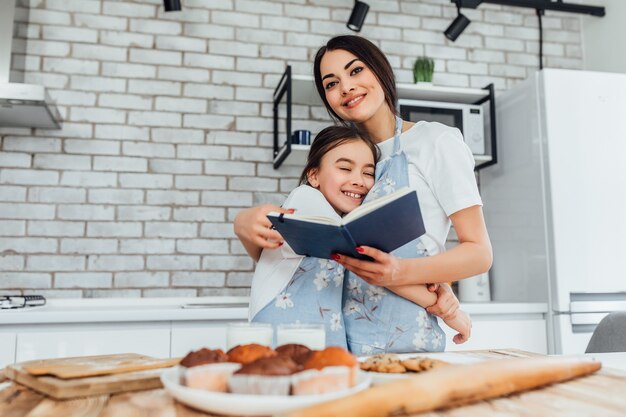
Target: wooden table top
{"x": 601, "y": 394}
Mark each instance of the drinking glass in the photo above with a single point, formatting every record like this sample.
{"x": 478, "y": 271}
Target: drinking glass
{"x": 244, "y": 333}
{"x": 312, "y": 336}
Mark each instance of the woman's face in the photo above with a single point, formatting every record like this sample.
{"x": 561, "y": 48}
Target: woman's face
{"x": 352, "y": 90}
{"x": 345, "y": 175}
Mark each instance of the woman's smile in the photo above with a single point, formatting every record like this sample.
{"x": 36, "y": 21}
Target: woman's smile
{"x": 353, "y": 102}
{"x": 352, "y": 89}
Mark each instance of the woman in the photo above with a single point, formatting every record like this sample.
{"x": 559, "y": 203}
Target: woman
{"x": 356, "y": 84}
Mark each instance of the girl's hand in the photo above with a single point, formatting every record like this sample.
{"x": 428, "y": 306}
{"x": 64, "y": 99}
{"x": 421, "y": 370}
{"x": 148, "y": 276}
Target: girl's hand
{"x": 253, "y": 227}
{"x": 447, "y": 304}
{"x": 382, "y": 271}
{"x": 463, "y": 324}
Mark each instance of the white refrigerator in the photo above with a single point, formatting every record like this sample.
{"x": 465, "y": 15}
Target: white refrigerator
{"x": 555, "y": 203}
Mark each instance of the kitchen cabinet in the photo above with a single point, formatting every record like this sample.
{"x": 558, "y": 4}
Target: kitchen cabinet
{"x": 519, "y": 331}
{"x": 38, "y": 342}
{"x": 154, "y": 327}
{"x": 7, "y": 348}
{"x": 161, "y": 328}
{"x": 293, "y": 89}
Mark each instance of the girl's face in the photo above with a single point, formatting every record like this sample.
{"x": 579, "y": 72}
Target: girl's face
{"x": 352, "y": 90}
{"x": 345, "y": 175}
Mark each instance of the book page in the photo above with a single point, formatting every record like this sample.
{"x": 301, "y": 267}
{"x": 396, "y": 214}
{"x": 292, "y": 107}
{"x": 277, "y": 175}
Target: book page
{"x": 310, "y": 205}
{"x": 373, "y": 205}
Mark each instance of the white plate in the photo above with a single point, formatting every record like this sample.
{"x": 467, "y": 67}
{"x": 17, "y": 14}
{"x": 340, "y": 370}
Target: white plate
{"x": 248, "y": 405}
{"x": 450, "y": 357}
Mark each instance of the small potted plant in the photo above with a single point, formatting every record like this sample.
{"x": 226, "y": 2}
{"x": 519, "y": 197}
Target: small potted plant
{"x": 423, "y": 70}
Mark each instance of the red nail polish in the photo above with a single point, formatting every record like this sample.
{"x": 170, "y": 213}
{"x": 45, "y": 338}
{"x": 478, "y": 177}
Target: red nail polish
{"x": 335, "y": 257}
{"x": 281, "y": 244}
{"x": 360, "y": 249}
{"x": 291, "y": 211}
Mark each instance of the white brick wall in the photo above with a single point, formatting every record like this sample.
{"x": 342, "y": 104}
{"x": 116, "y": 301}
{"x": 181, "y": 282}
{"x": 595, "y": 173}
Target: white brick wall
{"x": 167, "y": 127}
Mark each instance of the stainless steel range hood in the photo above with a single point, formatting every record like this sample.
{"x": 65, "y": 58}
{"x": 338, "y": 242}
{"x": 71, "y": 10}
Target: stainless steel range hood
{"x": 21, "y": 105}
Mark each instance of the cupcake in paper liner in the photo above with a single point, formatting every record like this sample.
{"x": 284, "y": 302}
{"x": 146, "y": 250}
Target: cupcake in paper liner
{"x": 330, "y": 370}
{"x": 265, "y": 376}
{"x": 211, "y": 377}
{"x": 196, "y": 370}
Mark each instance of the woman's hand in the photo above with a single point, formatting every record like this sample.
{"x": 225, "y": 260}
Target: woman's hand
{"x": 382, "y": 271}
{"x": 253, "y": 229}
{"x": 447, "y": 304}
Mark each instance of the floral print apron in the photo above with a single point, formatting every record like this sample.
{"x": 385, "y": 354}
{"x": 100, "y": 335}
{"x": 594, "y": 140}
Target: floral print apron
{"x": 312, "y": 296}
{"x": 376, "y": 319}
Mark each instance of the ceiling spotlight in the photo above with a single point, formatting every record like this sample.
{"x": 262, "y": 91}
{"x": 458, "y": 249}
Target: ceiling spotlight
{"x": 458, "y": 25}
{"x": 172, "y": 5}
{"x": 357, "y": 17}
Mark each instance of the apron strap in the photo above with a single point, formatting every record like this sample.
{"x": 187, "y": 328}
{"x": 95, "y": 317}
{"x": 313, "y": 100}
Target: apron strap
{"x": 396, "y": 136}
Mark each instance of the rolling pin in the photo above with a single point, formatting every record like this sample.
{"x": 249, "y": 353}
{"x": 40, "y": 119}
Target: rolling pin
{"x": 451, "y": 386}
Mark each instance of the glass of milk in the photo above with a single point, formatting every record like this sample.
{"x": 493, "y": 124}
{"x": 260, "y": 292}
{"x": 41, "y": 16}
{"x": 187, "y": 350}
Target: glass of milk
{"x": 312, "y": 336}
{"x": 244, "y": 333}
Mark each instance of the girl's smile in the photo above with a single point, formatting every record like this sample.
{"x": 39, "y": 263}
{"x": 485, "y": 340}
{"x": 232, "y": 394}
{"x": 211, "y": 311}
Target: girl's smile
{"x": 345, "y": 175}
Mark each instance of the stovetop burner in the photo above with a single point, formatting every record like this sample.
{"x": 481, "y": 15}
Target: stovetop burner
{"x": 8, "y": 302}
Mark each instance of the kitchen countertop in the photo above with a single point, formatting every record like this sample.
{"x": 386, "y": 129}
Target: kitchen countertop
{"x": 600, "y": 394}
{"x": 129, "y": 310}
{"x": 185, "y": 309}
{"x": 613, "y": 360}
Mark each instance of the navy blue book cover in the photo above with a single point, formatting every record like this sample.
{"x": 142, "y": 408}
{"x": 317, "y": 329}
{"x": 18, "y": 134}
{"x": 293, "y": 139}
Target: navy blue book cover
{"x": 386, "y": 228}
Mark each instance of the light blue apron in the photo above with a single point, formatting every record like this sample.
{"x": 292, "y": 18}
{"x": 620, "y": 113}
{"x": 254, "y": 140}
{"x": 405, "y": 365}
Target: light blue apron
{"x": 313, "y": 295}
{"x": 376, "y": 319}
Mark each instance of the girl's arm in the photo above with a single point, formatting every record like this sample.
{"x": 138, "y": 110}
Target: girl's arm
{"x": 471, "y": 257}
{"x": 416, "y": 293}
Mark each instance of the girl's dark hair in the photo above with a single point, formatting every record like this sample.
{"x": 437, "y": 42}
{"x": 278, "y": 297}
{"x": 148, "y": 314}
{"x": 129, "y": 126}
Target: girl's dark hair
{"x": 371, "y": 56}
{"x": 327, "y": 140}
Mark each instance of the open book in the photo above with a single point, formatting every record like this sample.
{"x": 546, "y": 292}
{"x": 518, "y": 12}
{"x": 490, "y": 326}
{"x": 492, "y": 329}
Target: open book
{"x": 385, "y": 223}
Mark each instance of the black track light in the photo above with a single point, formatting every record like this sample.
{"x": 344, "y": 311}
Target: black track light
{"x": 457, "y": 26}
{"x": 171, "y": 5}
{"x": 357, "y": 17}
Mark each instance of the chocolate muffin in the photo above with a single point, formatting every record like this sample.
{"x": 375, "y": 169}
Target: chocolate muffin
{"x": 299, "y": 353}
{"x": 265, "y": 376}
{"x": 277, "y": 365}
{"x": 203, "y": 356}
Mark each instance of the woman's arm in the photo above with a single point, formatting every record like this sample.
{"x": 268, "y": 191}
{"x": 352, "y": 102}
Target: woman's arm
{"x": 471, "y": 257}
{"x": 253, "y": 229}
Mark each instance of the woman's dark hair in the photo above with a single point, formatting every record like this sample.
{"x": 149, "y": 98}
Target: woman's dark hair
{"x": 327, "y": 140}
{"x": 371, "y": 56}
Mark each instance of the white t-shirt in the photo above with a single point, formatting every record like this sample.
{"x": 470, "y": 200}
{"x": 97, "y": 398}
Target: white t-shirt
{"x": 441, "y": 170}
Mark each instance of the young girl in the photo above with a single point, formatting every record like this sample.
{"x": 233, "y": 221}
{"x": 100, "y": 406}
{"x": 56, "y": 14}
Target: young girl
{"x": 287, "y": 288}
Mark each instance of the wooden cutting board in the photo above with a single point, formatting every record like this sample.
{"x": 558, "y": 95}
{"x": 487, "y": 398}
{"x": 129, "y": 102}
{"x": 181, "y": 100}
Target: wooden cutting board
{"x": 84, "y": 366}
{"x": 121, "y": 375}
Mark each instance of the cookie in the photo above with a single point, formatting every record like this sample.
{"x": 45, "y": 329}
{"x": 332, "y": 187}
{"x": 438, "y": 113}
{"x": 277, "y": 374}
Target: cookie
{"x": 385, "y": 362}
{"x": 418, "y": 364}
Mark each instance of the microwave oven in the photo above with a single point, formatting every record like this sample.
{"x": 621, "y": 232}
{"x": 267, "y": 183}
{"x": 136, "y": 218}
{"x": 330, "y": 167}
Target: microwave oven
{"x": 468, "y": 118}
